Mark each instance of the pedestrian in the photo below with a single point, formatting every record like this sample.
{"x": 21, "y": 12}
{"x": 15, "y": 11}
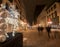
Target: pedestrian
{"x": 40, "y": 29}
{"x": 48, "y": 28}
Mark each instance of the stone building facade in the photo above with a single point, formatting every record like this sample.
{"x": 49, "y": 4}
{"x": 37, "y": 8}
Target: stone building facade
{"x": 42, "y": 18}
{"x": 53, "y": 12}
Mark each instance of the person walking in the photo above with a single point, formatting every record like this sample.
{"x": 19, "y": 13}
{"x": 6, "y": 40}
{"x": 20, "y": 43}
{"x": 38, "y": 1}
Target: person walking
{"x": 48, "y": 28}
{"x": 40, "y": 29}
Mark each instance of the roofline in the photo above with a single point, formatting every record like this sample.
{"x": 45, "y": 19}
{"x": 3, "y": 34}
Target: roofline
{"x": 52, "y": 4}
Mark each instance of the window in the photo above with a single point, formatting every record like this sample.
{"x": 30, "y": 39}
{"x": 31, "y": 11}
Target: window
{"x": 51, "y": 9}
{"x": 52, "y": 14}
{"x": 49, "y": 15}
{"x": 55, "y": 13}
{"x": 54, "y": 6}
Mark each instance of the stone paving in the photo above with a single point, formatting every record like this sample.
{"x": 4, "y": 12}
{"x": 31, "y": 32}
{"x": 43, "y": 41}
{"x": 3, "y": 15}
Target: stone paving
{"x": 33, "y": 39}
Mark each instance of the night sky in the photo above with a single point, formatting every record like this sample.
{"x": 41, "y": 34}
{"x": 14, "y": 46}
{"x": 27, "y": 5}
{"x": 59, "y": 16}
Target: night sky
{"x": 34, "y": 7}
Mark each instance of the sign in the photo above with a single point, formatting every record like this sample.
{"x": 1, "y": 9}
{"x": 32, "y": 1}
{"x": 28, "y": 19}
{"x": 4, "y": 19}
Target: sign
{"x": 49, "y": 21}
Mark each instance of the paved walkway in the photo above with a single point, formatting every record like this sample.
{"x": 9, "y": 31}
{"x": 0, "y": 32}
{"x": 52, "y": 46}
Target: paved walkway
{"x": 33, "y": 39}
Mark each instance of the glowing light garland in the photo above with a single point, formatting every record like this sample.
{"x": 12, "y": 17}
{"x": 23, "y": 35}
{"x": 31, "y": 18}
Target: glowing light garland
{"x": 12, "y": 16}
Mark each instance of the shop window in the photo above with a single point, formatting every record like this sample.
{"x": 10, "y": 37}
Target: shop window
{"x": 52, "y": 14}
